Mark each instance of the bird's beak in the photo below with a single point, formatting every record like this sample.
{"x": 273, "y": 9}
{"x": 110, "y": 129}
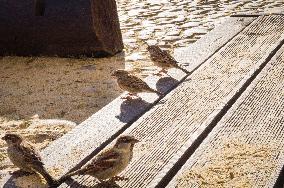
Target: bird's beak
{"x": 4, "y": 138}
{"x": 134, "y": 140}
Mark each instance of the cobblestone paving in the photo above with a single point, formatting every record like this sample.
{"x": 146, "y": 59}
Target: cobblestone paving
{"x": 176, "y": 23}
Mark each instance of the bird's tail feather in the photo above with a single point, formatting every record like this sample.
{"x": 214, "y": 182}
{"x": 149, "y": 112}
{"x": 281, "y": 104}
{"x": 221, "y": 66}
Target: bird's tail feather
{"x": 50, "y": 180}
{"x": 67, "y": 176}
{"x": 157, "y": 92}
{"x": 184, "y": 70}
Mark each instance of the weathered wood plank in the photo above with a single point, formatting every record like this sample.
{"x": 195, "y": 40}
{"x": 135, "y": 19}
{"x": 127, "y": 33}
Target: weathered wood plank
{"x": 252, "y": 14}
{"x": 169, "y": 130}
{"x": 257, "y": 118}
{"x": 191, "y": 56}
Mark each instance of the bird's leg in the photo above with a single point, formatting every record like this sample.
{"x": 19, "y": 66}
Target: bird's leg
{"x": 119, "y": 178}
{"x": 161, "y": 71}
{"x": 158, "y": 74}
{"x": 136, "y": 96}
{"x": 128, "y": 96}
{"x": 101, "y": 181}
{"x": 164, "y": 71}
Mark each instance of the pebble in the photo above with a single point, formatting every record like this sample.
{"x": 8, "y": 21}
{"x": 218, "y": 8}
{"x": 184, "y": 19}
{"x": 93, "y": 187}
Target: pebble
{"x": 152, "y": 42}
{"x": 134, "y": 56}
{"x": 188, "y": 33}
{"x": 171, "y": 38}
{"x": 173, "y": 33}
{"x": 179, "y": 19}
{"x": 190, "y": 24}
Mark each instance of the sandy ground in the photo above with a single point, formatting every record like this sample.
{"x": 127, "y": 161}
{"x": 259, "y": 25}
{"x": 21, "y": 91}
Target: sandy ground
{"x": 242, "y": 163}
{"x": 73, "y": 89}
{"x": 39, "y": 95}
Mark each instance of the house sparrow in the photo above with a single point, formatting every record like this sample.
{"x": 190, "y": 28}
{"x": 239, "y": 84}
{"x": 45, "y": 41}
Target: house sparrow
{"x": 26, "y": 157}
{"x": 163, "y": 59}
{"x": 109, "y": 163}
{"x": 132, "y": 84}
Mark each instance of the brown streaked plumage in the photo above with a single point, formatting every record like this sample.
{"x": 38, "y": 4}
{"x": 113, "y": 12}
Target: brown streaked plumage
{"x": 163, "y": 59}
{"x": 26, "y": 157}
{"x": 109, "y": 163}
{"x": 131, "y": 83}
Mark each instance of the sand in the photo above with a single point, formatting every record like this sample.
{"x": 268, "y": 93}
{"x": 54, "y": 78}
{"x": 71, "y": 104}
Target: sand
{"x": 43, "y": 98}
{"x": 233, "y": 164}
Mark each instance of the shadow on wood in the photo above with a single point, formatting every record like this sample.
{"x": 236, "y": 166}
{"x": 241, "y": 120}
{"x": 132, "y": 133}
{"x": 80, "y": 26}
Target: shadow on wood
{"x": 131, "y": 109}
{"x": 165, "y": 84}
{"x": 23, "y": 179}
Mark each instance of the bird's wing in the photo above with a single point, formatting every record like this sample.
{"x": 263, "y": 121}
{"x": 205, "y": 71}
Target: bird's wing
{"x": 137, "y": 83}
{"x": 30, "y": 154}
{"x": 105, "y": 160}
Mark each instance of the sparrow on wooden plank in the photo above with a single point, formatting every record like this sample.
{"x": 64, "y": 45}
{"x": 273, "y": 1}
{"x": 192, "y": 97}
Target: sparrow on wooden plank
{"x": 109, "y": 163}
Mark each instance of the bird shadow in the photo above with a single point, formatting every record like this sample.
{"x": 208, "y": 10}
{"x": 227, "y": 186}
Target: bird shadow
{"x": 166, "y": 84}
{"x": 11, "y": 182}
{"x": 130, "y": 109}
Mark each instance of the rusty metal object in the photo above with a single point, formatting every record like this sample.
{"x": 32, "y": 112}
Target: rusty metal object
{"x": 62, "y": 28}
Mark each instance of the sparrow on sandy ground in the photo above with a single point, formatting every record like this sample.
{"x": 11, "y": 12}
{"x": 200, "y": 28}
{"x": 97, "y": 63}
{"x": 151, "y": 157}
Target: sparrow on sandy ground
{"x": 163, "y": 59}
{"x": 109, "y": 163}
{"x": 132, "y": 84}
{"x": 26, "y": 157}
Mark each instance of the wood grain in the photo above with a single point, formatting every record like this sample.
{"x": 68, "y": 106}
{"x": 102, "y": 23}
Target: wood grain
{"x": 256, "y": 118}
{"x": 191, "y": 56}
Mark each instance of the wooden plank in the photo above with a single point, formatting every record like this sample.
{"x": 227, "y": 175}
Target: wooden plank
{"x": 275, "y": 11}
{"x": 257, "y": 118}
{"x": 255, "y": 15}
{"x": 200, "y": 51}
{"x": 168, "y": 131}
{"x": 88, "y": 138}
